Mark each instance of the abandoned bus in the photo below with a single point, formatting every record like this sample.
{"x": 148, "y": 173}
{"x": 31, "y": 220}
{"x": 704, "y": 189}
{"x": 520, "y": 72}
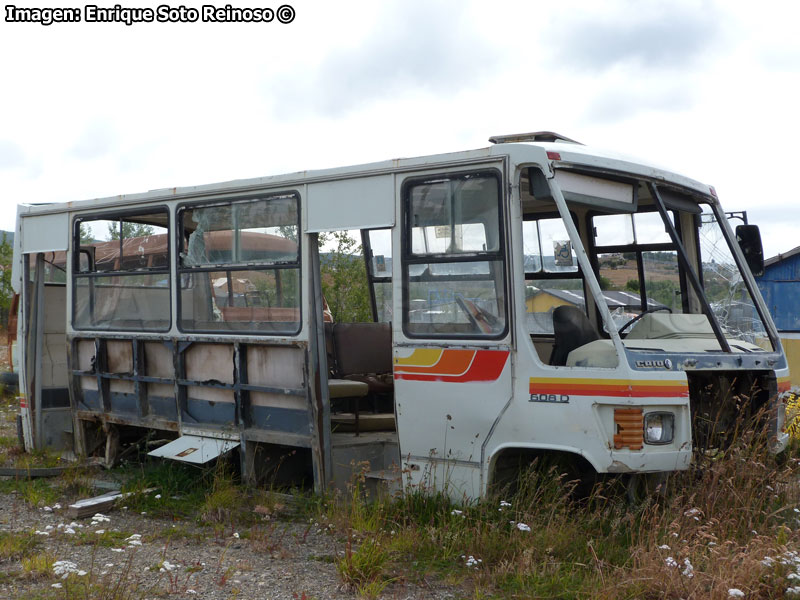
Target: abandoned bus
{"x": 535, "y": 298}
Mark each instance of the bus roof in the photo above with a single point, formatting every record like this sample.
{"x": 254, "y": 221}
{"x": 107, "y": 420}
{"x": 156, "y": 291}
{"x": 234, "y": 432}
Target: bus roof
{"x": 550, "y": 154}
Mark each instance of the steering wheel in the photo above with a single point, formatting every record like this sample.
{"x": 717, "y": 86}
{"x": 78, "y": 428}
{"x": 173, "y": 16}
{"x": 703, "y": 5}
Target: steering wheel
{"x": 639, "y": 316}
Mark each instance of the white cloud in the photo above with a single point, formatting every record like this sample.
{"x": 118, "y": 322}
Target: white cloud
{"x": 706, "y": 87}
{"x": 645, "y": 35}
{"x": 11, "y": 155}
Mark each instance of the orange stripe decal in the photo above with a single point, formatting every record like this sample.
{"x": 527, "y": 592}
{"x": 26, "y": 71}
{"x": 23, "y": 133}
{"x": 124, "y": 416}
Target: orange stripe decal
{"x": 616, "y": 388}
{"x": 451, "y": 362}
{"x": 456, "y": 366}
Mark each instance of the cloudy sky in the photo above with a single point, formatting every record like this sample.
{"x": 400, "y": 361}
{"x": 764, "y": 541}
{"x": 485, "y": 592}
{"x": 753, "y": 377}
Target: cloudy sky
{"x": 708, "y": 88}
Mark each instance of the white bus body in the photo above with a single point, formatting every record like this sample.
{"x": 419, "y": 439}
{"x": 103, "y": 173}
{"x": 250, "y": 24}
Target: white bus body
{"x": 500, "y": 278}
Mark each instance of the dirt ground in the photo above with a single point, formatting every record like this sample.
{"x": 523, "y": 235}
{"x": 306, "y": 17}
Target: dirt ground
{"x": 128, "y": 555}
{"x": 4, "y": 364}
{"x": 125, "y": 554}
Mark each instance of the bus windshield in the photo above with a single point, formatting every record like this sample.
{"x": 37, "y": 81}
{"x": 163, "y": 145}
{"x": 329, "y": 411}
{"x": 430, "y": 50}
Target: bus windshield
{"x": 637, "y": 251}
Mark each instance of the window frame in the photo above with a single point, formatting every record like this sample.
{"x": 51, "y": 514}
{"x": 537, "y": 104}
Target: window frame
{"x": 578, "y": 274}
{"x": 372, "y": 278}
{"x": 76, "y": 274}
{"x": 232, "y": 267}
{"x": 409, "y": 258}
{"x": 638, "y": 249}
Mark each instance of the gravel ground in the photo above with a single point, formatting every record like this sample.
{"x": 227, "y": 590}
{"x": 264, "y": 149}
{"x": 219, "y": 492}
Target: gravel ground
{"x": 152, "y": 558}
{"x": 158, "y": 558}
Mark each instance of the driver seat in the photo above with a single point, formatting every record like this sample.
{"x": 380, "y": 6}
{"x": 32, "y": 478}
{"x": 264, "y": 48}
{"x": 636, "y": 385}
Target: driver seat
{"x": 572, "y": 329}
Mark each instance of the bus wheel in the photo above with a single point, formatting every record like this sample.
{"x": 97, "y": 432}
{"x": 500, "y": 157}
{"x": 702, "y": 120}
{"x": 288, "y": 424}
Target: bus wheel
{"x": 646, "y": 487}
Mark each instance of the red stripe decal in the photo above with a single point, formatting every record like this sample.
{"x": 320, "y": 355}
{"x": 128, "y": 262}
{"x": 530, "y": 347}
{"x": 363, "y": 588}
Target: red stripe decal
{"x": 486, "y": 366}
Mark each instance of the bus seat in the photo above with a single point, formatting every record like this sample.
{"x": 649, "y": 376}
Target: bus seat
{"x": 572, "y": 329}
{"x": 363, "y": 352}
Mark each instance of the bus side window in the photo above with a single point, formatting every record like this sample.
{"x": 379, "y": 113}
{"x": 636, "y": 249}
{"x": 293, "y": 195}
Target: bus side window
{"x": 552, "y": 277}
{"x": 453, "y": 257}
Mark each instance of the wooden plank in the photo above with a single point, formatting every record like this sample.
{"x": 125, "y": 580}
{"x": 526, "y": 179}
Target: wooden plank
{"x": 89, "y": 506}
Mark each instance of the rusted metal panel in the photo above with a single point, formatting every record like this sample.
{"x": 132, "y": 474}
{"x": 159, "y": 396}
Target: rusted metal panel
{"x": 119, "y": 358}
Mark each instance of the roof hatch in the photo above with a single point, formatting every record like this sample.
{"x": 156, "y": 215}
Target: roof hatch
{"x": 536, "y": 136}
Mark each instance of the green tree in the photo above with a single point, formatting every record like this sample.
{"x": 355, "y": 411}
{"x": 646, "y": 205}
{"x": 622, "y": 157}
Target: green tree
{"x": 87, "y": 239}
{"x": 632, "y": 285}
{"x": 6, "y": 291}
{"x": 344, "y": 280}
{"x": 129, "y": 230}
{"x": 663, "y": 291}
{"x": 605, "y": 283}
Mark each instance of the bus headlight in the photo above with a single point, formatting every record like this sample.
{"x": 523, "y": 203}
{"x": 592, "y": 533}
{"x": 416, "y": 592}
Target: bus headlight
{"x": 659, "y": 427}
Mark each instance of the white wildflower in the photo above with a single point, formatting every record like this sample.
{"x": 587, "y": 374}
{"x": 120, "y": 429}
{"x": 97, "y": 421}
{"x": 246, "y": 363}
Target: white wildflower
{"x": 48, "y": 528}
{"x": 100, "y": 531}
{"x": 56, "y": 506}
{"x": 47, "y": 509}
{"x": 236, "y": 534}
{"x": 735, "y": 593}
{"x": 69, "y": 530}
{"x": 768, "y": 561}
{"x": 37, "y": 532}
{"x": 56, "y": 585}
{"x": 100, "y": 518}
{"x": 663, "y": 547}
{"x": 670, "y": 562}
{"x": 118, "y": 549}
{"x": 471, "y": 561}
{"x": 523, "y": 527}
{"x": 81, "y": 573}
{"x": 158, "y": 496}
{"x": 166, "y": 566}
{"x": 793, "y": 591}
{"x": 504, "y": 504}
{"x": 793, "y": 576}
{"x": 191, "y": 591}
{"x": 456, "y": 512}
{"x": 64, "y": 568}
{"x": 691, "y": 512}
{"x": 688, "y": 570}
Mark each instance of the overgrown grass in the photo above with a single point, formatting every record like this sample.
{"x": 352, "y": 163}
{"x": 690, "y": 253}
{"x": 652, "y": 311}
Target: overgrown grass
{"x": 36, "y": 492}
{"x": 178, "y": 489}
{"x": 17, "y": 544}
{"x": 38, "y": 566}
{"x": 709, "y": 534}
{"x": 732, "y": 521}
